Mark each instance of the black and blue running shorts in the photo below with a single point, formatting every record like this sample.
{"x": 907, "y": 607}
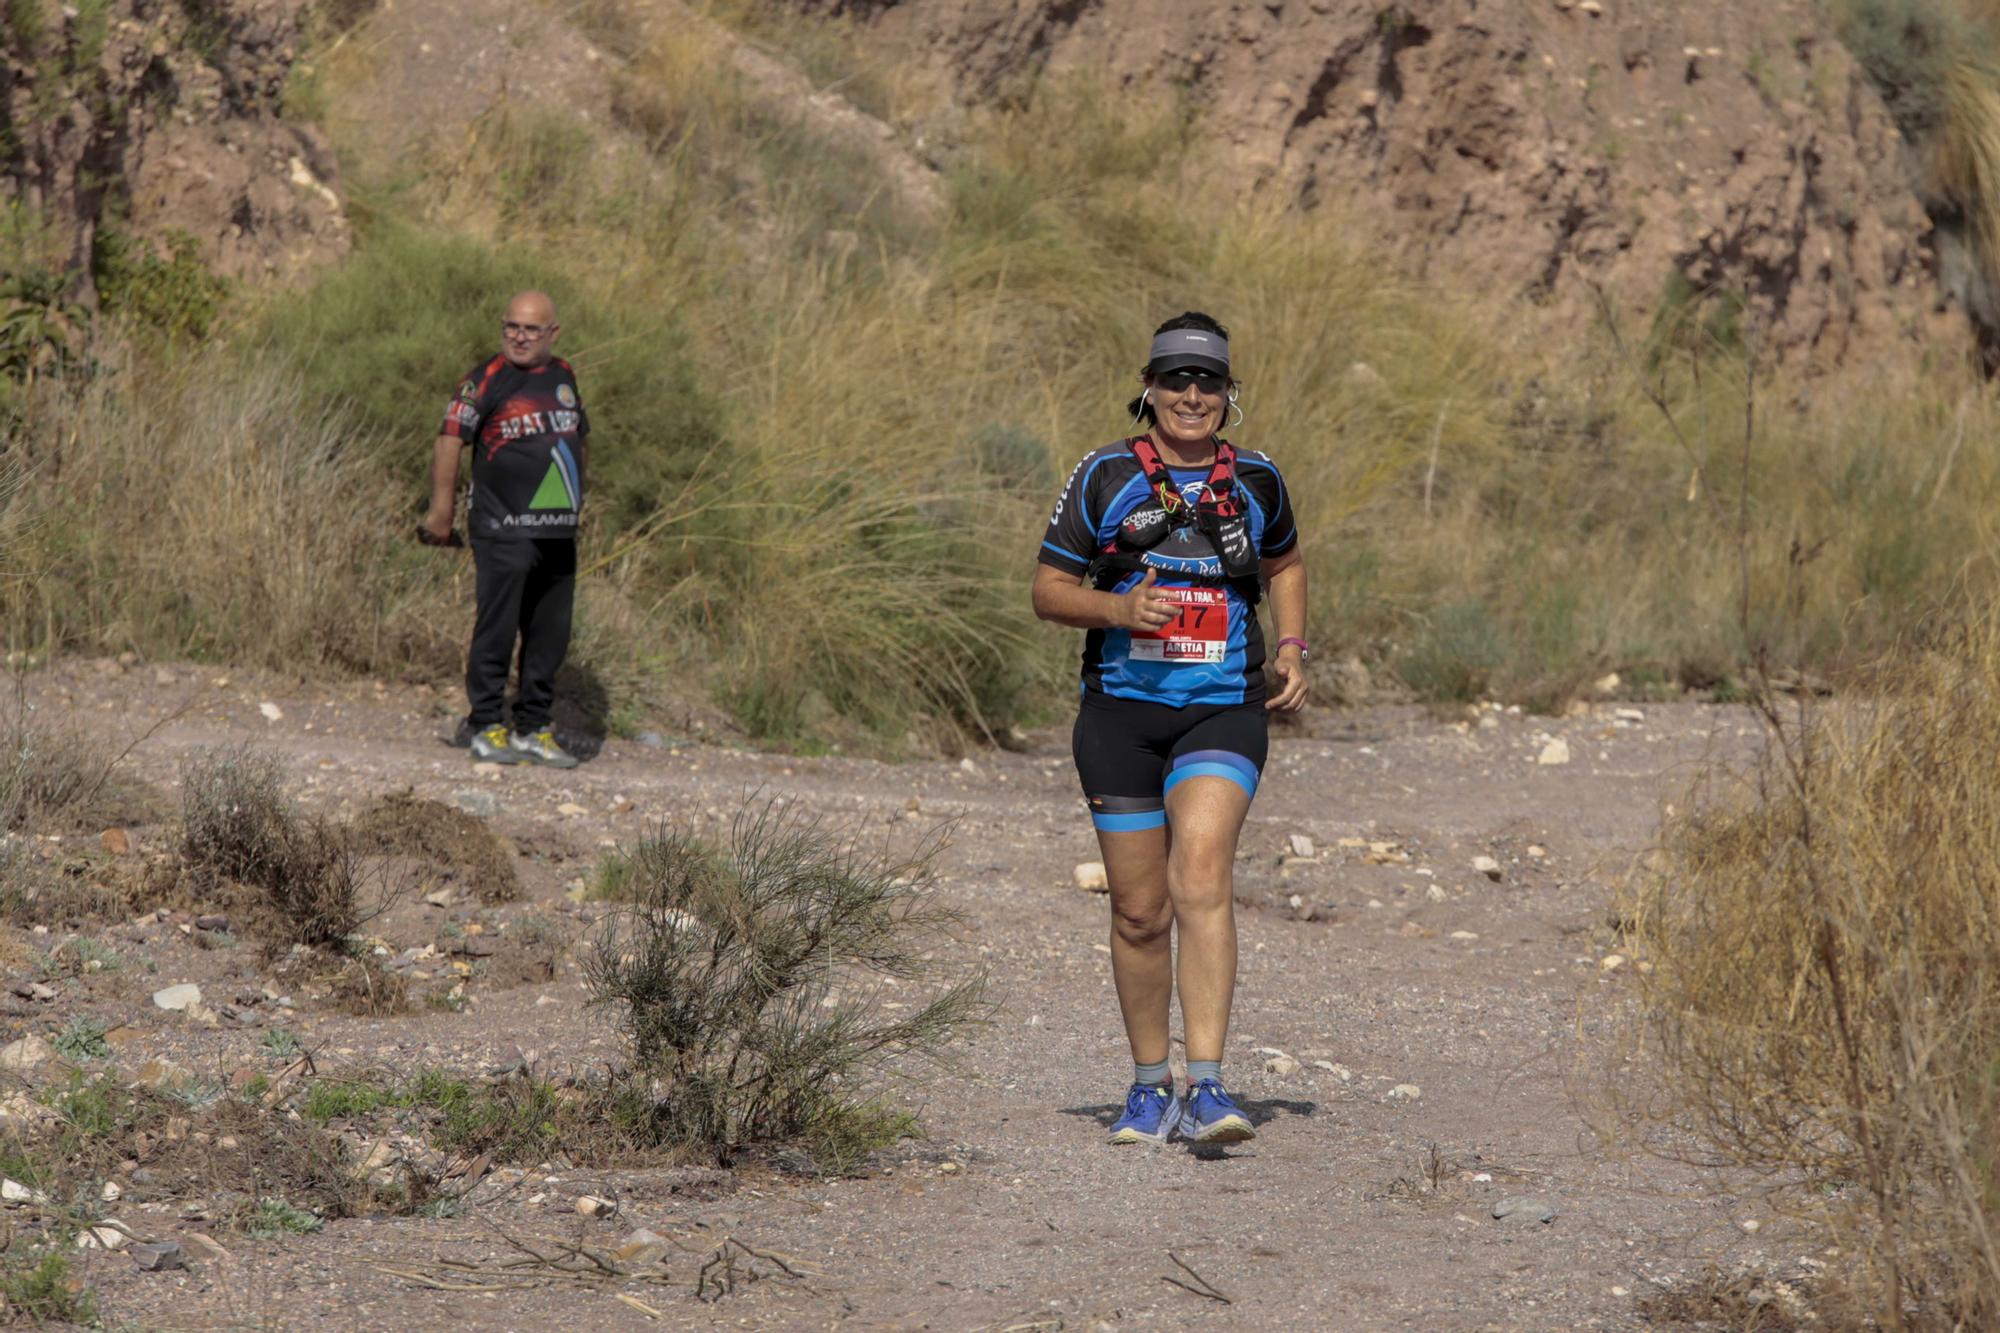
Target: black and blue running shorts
{"x": 1131, "y": 752}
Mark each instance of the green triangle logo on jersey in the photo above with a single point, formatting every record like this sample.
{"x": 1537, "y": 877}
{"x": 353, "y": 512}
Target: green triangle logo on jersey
{"x": 553, "y": 493}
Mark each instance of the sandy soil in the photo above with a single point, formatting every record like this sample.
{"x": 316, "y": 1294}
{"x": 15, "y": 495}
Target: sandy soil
{"x": 1014, "y": 1213}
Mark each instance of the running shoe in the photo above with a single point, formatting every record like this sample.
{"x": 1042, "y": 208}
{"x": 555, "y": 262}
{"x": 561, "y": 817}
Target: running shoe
{"x": 540, "y": 748}
{"x": 491, "y": 746}
{"x": 1214, "y": 1117}
{"x": 1151, "y": 1112}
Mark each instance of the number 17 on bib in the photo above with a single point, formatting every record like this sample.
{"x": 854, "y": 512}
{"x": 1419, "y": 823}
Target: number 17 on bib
{"x": 1199, "y": 633}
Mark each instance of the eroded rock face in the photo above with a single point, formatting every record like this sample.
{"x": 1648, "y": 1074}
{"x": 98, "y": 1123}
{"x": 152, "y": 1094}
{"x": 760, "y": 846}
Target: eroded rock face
{"x": 167, "y": 112}
{"x": 1543, "y": 145}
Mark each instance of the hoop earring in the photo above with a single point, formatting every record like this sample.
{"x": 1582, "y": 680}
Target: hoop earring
{"x": 1236, "y": 408}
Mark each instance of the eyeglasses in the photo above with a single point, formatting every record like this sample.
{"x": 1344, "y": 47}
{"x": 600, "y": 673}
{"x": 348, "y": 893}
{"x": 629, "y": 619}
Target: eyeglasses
{"x": 515, "y": 327}
{"x": 1173, "y": 381}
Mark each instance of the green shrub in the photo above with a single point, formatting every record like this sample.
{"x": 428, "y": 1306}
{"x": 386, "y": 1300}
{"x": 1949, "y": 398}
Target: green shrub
{"x": 1907, "y": 48}
{"x": 174, "y": 296}
{"x": 750, "y": 979}
{"x": 41, "y": 1290}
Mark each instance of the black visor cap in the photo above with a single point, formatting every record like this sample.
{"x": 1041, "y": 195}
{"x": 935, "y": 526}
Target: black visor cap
{"x": 1188, "y": 349}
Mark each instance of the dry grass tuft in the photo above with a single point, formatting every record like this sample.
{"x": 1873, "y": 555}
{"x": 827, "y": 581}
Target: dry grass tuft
{"x": 1823, "y": 933}
{"x": 212, "y": 514}
{"x": 311, "y": 887}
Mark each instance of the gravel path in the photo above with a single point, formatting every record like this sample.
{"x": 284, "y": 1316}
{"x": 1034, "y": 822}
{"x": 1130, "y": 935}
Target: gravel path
{"x": 1362, "y": 1204}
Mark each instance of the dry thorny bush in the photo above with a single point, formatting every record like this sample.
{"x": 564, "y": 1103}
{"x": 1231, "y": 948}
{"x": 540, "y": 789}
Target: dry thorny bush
{"x": 312, "y": 888}
{"x": 1823, "y": 932}
{"x": 765, "y": 984}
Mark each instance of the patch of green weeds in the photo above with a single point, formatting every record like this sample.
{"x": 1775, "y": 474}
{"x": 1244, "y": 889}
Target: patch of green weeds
{"x": 280, "y": 1044}
{"x": 83, "y": 1039}
{"x": 274, "y": 1217}
{"x": 611, "y": 879}
{"x": 1455, "y": 657}
{"x": 90, "y": 951}
{"x": 91, "y": 1109}
{"x": 45, "y": 1292}
{"x": 343, "y": 1101}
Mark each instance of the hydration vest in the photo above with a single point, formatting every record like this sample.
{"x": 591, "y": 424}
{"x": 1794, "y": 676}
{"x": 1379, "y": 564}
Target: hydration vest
{"x": 1217, "y": 514}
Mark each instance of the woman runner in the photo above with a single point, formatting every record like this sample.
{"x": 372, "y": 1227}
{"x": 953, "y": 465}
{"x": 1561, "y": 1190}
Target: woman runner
{"x": 1160, "y": 547}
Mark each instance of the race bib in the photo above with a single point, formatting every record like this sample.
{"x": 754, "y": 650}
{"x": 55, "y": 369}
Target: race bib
{"x": 1200, "y": 633}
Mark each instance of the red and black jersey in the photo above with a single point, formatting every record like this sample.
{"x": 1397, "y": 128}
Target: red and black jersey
{"x": 526, "y": 429}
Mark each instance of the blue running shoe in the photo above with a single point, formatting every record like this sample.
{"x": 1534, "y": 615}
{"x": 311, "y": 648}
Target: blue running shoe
{"x": 1151, "y": 1112}
{"x": 1213, "y": 1117}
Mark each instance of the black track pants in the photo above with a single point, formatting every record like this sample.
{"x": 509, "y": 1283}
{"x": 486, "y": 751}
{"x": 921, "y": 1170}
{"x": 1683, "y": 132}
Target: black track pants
{"x": 527, "y": 589}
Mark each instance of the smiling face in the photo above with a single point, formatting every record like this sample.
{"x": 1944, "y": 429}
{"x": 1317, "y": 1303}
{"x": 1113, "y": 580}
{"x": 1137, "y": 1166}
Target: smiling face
{"x": 528, "y": 334}
{"x": 1187, "y": 407}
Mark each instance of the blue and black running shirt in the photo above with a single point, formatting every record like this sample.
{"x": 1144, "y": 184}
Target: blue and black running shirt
{"x": 526, "y": 428}
{"x": 1214, "y": 653}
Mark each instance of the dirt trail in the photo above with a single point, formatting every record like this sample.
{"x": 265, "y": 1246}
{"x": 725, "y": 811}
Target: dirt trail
{"x": 1014, "y": 1213}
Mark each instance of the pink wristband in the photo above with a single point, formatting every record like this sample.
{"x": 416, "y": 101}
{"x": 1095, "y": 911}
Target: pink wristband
{"x": 1305, "y": 649}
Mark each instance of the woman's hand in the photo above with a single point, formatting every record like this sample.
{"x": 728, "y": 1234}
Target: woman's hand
{"x": 1145, "y": 608}
{"x": 1290, "y": 669}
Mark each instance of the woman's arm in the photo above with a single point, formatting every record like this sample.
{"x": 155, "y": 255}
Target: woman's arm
{"x": 1286, "y": 577}
{"x": 1063, "y": 599}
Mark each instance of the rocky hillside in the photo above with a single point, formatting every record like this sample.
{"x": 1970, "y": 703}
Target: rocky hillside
{"x": 164, "y": 117}
{"x": 1545, "y": 146}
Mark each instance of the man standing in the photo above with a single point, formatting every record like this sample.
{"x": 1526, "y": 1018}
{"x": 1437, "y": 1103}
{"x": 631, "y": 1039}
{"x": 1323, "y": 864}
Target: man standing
{"x": 522, "y": 416}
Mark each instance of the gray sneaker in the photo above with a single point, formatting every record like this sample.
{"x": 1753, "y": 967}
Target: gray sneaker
{"x": 491, "y": 746}
{"x": 540, "y": 748}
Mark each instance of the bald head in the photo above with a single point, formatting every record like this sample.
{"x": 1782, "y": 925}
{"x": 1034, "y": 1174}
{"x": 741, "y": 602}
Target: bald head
{"x": 528, "y": 335}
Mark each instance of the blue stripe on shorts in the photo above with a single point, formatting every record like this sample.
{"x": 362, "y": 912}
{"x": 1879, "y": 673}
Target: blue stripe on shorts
{"x": 1214, "y": 764}
{"x": 1125, "y": 823}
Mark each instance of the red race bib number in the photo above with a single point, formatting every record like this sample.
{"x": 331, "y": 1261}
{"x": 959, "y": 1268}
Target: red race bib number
{"x": 1200, "y": 633}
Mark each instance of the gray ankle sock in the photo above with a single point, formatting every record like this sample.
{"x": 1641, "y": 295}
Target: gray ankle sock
{"x": 1151, "y": 1076}
{"x": 1201, "y": 1069}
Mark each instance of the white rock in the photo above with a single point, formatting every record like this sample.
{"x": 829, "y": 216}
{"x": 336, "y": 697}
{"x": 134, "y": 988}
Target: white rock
{"x": 271, "y": 712}
{"x": 112, "y": 1192}
{"x": 1555, "y": 752}
{"x": 1090, "y": 877}
{"x": 25, "y": 1053}
{"x": 13, "y": 1191}
{"x": 589, "y": 1205}
{"x": 571, "y": 809}
{"x": 1284, "y": 1066}
{"x": 1301, "y": 845}
{"x": 177, "y": 997}
{"x": 111, "y": 1235}
{"x": 1436, "y": 893}
{"x": 1405, "y": 1092}
{"x": 1611, "y": 962}
{"x": 1629, "y": 715}
{"x": 1486, "y": 866}
{"x": 1465, "y": 934}
{"x": 966, "y": 765}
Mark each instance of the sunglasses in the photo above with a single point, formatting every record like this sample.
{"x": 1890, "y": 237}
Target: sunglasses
{"x": 1173, "y": 381}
